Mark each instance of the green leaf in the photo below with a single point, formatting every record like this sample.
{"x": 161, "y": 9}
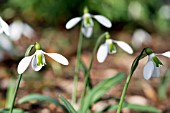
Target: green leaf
{"x": 29, "y": 50}
{"x": 163, "y": 85}
{"x": 68, "y": 106}
{"x": 100, "y": 89}
{"x": 10, "y": 93}
{"x": 16, "y": 110}
{"x": 143, "y": 108}
{"x": 40, "y": 98}
{"x": 136, "y": 107}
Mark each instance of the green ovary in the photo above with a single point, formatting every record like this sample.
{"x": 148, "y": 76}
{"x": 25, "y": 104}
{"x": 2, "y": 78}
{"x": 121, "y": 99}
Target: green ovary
{"x": 39, "y": 59}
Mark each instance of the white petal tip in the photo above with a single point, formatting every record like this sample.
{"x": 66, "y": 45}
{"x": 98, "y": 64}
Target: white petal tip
{"x": 71, "y": 23}
{"x": 103, "y": 20}
{"x": 166, "y": 54}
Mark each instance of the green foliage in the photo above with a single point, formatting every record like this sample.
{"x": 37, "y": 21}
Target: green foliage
{"x": 39, "y": 98}
{"x": 16, "y": 110}
{"x": 99, "y": 90}
{"x": 136, "y": 107}
{"x": 10, "y": 93}
{"x": 163, "y": 85}
{"x": 68, "y": 106}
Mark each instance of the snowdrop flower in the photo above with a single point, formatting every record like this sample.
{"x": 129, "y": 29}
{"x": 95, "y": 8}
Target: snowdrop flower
{"x": 19, "y": 28}
{"x": 152, "y": 67}
{"x": 141, "y": 37}
{"x": 38, "y": 60}
{"x": 4, "y": 28}
{"x": 87, "y": 24}
{"x": 109, "y": 47}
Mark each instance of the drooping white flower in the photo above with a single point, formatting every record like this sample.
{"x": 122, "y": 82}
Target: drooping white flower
{"x": 4, "y": 28}
{"x": 141, "y": 37}
{"x": 109, "y": 47}
{"x": 152, "y": 67}
{"x": 87, "y": 26}
{"x": 38, "y": 60}
{"x": 19, "y": 28}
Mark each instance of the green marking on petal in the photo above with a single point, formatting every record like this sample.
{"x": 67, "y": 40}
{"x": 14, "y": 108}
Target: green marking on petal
{"x": 87, "y": 20}
{"x": 157, "y": 61}
{"x": 111, "y": 47}
{"x": 40, "y": 60}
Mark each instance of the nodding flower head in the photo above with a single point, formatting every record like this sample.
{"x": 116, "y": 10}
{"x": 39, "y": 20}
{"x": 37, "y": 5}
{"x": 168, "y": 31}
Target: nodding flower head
{"x": 152, "y": 67}
{"x": 4, "y": 28}
{"x": 87, "y": 25}
{"x": 109, "y": 47}
{"x": 38, "y": 60}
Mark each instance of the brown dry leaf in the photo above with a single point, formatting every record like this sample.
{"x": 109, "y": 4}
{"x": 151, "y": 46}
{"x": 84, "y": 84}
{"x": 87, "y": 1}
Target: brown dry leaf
{"x": 136, "y": 99}
{"x": 149, "y": 92}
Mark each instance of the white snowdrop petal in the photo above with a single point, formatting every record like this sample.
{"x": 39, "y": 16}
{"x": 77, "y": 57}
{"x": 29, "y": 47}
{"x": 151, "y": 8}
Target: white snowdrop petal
{"x": 23, "y": 64}
{"x": 148, "y": 70}
{"x": 156, "y": 72}
{"x": 103, "y": 20}
{"x": 5, "y": 43}
{"x": 124, "y": 46}
{"x": 4, "y": 26}
{"x": 28, "y": 30}
{"x": 58, "y": 58}
{"x": 102, "y": 53}
{"x": 16, "y": 30}
{"x": 87, "y": 31}
{"x": 166, "y": 54}
{"x": 35, "y": 67}
{"x": 71, "y": 23}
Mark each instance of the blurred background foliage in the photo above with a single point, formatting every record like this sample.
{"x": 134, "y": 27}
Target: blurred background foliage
{"x": 152, "y": 15}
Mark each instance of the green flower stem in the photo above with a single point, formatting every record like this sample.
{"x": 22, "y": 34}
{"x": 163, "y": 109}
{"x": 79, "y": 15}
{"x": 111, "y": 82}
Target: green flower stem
{"x": 15, "y": 93}
{"x": 133, "y": 68}
{"x": 19, "y": 80}
{"x": 87, "y": 79}
{"x": 74, "y": 93}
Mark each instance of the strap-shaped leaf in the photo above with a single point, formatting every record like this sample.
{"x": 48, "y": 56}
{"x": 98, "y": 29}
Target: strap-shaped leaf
{"x": 16, "y": 110}
{"x": 68, "y": 106}
{"x": 136, "y": 107}
{"x": 40, "y": 98}
{"x": 163, "y": 85}
{"x": 10, "y": 93}
{"x": 100, "y": 89}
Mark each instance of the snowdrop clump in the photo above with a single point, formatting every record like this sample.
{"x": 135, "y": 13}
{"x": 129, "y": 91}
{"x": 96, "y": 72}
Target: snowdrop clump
{"x": 38, "y": 60}
{"x": 152, "y": 67}
{"x": 109, "y": 47}
{"x": 87, "y": 22}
